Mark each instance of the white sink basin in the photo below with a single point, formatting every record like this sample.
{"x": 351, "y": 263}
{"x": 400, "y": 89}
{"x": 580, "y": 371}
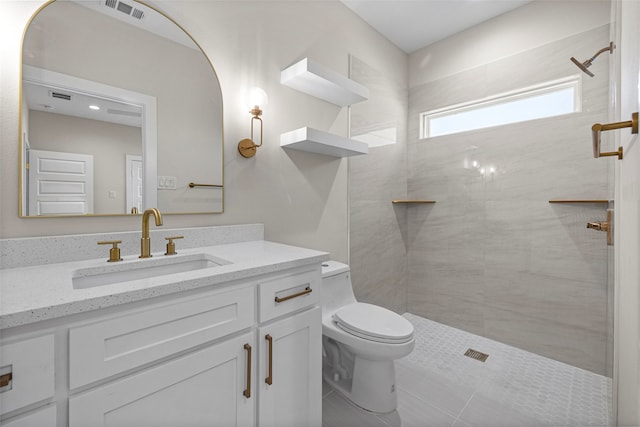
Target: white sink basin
{"x": 125, "y": 271}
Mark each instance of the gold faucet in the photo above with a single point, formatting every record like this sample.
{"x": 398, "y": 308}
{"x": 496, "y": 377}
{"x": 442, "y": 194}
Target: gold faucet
{"x": 145, "y": 242}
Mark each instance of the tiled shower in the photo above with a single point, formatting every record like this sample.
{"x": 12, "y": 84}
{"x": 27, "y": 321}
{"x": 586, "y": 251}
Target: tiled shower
{"x": 492, "y": 256}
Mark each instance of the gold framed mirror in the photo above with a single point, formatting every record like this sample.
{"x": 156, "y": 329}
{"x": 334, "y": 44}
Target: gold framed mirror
{"x": 120, "y": 111}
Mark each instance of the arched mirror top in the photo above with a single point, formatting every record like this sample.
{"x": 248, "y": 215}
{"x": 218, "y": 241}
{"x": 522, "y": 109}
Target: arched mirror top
{"x": 120, "y": 111}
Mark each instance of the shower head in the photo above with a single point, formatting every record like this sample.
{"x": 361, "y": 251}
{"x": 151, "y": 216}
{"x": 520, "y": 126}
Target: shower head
{"x": 586, "y": 64}
{"x": 583, "y": 66}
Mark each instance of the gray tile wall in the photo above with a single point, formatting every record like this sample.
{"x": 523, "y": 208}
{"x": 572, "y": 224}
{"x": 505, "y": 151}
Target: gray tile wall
{"x": 492, "y": 256}
{"x": 378, "y": 228}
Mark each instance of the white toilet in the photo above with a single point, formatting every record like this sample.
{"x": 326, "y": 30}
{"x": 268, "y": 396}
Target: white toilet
{"x": 360, "y": 343}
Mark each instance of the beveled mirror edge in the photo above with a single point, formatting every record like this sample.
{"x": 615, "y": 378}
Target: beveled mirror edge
{"x": 21, "y": 213}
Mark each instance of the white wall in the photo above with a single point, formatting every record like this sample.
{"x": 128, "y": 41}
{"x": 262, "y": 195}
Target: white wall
{"x": 300, "y": 197}
{"x": 535, "y": 24}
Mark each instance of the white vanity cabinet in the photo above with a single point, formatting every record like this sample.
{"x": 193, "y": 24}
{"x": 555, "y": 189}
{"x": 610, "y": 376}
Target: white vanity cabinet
{"x": 290, "y": 348}
{"x": 208, "y": 386}
{"x": 196, "y": 357}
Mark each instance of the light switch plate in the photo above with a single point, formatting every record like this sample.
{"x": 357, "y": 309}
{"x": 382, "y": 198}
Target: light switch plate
{"x": 167, "y": 182}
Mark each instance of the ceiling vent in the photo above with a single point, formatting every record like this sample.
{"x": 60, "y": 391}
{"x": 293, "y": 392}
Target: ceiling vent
{"x": 125, "y": 8}
{"x": 60, "y": 95}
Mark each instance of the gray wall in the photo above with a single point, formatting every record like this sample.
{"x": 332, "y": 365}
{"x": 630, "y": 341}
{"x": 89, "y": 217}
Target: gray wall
{"x": 492, "y": 256}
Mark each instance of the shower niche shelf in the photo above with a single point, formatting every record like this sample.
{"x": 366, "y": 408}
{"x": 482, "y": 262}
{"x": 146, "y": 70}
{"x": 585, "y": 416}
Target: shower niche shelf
{"x": 592, "y": 201}
{"x": 316, "y": 80}
{"x": 411, "y": 202}
{"x": 317, "y": 141}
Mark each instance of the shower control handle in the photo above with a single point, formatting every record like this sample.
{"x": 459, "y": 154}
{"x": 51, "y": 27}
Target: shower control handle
{"x": 606, "y": 226}
{"x": 600, "y": 225}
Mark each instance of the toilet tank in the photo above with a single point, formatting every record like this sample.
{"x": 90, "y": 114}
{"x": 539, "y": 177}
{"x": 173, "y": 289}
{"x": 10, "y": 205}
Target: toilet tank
{"x": 336, "y": 286}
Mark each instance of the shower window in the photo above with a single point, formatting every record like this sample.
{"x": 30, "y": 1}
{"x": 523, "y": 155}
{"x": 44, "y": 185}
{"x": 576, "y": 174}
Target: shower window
{"x": 547, "y": 99}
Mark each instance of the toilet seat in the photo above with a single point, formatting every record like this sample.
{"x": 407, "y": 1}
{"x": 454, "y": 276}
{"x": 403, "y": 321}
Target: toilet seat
{"x": 374, "y": 323}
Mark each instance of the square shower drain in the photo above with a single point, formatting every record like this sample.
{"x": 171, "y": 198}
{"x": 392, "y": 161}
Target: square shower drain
{"x": 477, "y": 355}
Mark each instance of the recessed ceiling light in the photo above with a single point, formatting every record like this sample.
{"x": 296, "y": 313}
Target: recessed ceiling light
{"x": 94, "y": 107}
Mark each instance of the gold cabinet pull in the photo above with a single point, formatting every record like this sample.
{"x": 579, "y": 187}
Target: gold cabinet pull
{"x": 114, "y": 252}
{"x": 247, "y": 392}
{"x": 269, "y": 379}
{"x": 306, "y": 291}
{"x": 6, "y": 379}
{"x": 597, "y": 128}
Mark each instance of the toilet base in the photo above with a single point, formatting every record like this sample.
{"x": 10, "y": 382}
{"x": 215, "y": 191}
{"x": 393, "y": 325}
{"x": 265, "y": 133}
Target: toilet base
{"x": 373, "y": 385}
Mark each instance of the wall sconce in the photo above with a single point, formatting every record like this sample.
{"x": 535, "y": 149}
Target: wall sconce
{"x": 255, "y": 98}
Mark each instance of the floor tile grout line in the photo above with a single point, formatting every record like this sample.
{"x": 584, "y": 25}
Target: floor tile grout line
{"x": 444, "y": 411}
{"x": 465, "y": 407}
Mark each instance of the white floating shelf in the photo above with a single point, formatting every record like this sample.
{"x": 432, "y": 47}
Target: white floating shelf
{"x": 316, "y": 141}
{"x": 316, "y": 80}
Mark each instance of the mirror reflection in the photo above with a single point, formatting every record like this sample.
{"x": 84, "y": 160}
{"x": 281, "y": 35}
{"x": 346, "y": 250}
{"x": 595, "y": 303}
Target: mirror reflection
{"x": 121, "y": 111}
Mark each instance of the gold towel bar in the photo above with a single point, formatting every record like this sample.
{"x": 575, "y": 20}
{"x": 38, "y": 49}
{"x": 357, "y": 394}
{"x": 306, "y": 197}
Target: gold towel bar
{"x": 193, "y": 184}
{"x": 597, "y": 128}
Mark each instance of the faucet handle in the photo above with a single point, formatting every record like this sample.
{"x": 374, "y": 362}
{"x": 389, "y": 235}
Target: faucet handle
{"x": 171, "y": 247}
{"x": 114, "y": 252}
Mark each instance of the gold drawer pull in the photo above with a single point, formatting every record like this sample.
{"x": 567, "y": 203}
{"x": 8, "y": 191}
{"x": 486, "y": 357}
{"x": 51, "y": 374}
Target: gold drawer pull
{"x": 6, "y": 379}
{"x": 306, "y": 291}
{"x": 247, "y": 391}
{"x": 269, "y": 379}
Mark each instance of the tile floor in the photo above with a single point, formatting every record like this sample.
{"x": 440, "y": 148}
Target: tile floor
{"x": 439, "y": 386}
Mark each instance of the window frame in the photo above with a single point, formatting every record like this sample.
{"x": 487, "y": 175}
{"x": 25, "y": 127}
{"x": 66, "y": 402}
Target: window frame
{"x": 573, "y": 81}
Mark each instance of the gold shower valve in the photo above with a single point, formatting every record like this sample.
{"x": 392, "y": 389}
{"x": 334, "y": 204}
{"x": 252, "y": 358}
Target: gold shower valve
{"x": 606, "y": 226}
{"x": 599, "y": 225}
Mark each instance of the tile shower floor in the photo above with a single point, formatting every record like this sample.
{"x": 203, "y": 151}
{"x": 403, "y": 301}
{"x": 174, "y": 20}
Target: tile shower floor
{"x": 439, "y": 386}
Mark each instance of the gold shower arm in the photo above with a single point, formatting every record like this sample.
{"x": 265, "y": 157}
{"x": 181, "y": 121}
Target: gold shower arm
{"x": 597, "y": 128}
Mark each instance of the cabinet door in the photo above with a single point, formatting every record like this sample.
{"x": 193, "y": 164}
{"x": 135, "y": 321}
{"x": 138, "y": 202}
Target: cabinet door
{"x": 293, "y": 348}
{"x": 206, "y": 387}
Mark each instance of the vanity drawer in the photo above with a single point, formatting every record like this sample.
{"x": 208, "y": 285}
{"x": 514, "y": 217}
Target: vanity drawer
{"x": 130, "y": 340}
{"x": 286, "y": 294}
{"x": 44, "y": 417}
{"x": 28, "y": 368}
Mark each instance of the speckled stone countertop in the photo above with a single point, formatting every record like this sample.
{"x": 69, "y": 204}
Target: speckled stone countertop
{"x": 35, "y": 293}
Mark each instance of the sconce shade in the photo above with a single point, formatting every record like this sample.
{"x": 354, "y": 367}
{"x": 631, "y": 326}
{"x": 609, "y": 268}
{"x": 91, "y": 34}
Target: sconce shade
{"x": 256, "y": 97}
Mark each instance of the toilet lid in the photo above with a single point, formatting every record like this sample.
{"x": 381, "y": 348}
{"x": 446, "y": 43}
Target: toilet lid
{"x": 374, "y": 323}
